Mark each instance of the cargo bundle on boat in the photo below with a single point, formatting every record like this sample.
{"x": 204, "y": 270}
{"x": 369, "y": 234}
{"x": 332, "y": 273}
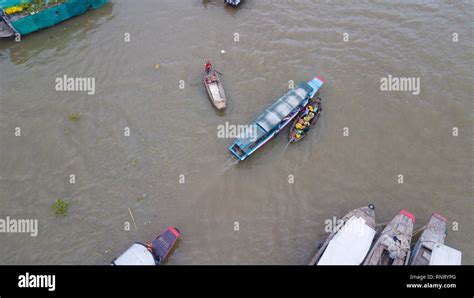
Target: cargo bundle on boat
{"x": 350, "y": 241}
{"x": 393, "y": 245}
{"x": 21, "y": 17}
{"x": 306, "y": 120}
{"x": 430, "y": 248}
{"x": 152, "y": 253}
{"x": 276, "y": 117}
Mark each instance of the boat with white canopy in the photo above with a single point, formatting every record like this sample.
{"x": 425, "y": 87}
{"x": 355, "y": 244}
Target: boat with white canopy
{"x": 351, "y": 240}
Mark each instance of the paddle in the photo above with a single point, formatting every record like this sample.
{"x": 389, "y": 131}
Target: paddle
{"x": 219, "y": 72}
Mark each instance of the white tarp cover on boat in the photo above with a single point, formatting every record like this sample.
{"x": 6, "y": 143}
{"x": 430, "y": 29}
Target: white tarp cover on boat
{"x": 216, "y": 95}
{"x": 256, "y": 132}
{"x": 350, "y": 245}
{"x": 283, "y": 106}
{"x": 445, "y": 255}
{"x": 137, "y": 254}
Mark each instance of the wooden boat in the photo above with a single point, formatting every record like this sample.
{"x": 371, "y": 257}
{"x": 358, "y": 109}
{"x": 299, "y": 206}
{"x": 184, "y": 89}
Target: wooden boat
{"x": 312, "y": 108}
{"x": 21, "y": 17}
{"x": 6, "y": 29}
{"x": 214, "y": 87}
{"x": 430, "y": 248}
{"x": 349, "y": 243}
{"x": 152, "y": 253}
{"x": 269, "y": 123}
{"x": 393, "y": 245}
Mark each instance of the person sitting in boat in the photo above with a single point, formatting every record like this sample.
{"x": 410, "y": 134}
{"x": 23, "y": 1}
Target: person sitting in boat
{"x": 211, "y": 79}
{"x": 208, "y": 66}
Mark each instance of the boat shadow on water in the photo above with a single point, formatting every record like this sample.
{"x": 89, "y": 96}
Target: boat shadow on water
{"x": 63, "y": 34}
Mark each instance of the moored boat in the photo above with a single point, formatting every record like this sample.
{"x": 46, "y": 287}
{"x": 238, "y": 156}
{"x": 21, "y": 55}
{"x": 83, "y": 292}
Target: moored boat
{"x": 152, "y": 253}
{"x": 306, "y": 120}
{"x": 214, "y": 87}
{"x": 430, "y": 248}
{"x": 234, "y": 3}
{"x": 6, "y": 29}
{"x": 21, "y": 17}
{"x": 393, "y": 245}
{"x": 350, "y": 241}
{"x": 276, "y": 117}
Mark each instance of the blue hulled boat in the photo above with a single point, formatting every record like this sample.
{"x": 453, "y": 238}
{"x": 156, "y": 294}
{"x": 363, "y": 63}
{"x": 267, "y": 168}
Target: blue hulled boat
{"x": 21, "y": 17}
{"x": 275, "y": 118}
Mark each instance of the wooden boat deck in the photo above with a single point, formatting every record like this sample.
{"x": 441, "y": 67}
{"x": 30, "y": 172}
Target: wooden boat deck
{"x": 434, "y": 233}
{"x": 399, "y": 230}
{"x": 5, "y": 30}
{"x": 215, "y": 90}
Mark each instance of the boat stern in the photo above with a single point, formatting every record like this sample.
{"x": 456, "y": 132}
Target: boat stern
{"x": 220, "y": 106}
{"x": 238, "y": 151}
{"x": 408, "y": 214}
{"x": 162, "y": 245}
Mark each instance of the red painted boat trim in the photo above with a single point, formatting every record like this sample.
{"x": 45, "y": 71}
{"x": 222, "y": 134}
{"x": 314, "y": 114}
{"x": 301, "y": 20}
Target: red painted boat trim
{"x": 408, "y": 214}
{"x": 437, "y": 215}
{"x": 174, "y": 231}
{"x": 321, "y": 79}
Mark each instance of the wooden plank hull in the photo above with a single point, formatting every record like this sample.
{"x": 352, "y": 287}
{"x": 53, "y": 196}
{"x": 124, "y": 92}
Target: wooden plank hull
{"x": 393, "y": 245}
{"x": 215, "y": 90}
{"x": 6, "y": 30}
{"x": 434, "y": 233}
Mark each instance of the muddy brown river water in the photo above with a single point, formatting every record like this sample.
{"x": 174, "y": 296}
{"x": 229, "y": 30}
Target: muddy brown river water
{"x": 173, "y": 131}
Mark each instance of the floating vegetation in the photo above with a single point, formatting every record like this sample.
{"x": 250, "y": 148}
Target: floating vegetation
{"x": 134, "y": 161}
{"x": 74, "y": 117}
{"x": 141, "y": 198}
{"x": 60, "y": 207}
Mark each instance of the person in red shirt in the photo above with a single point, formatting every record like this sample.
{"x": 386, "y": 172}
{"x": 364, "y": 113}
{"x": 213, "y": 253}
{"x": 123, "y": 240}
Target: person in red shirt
{"x": 208, "y": 66}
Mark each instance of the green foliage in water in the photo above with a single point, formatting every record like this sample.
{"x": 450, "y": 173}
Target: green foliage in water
{"x": 60, "y": 207}
{"x": 74, "y": 117}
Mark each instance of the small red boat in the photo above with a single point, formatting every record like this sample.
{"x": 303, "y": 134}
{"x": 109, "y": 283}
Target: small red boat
{"x": 152, "y": 253}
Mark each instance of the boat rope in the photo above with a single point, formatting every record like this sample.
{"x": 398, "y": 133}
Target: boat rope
{"x": 413, "y": 234}
{"x": 382, "y": 225}
{"x": 418, "y": 230}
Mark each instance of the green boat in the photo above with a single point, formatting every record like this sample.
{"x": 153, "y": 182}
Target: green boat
{"x": 22, "y": 17}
